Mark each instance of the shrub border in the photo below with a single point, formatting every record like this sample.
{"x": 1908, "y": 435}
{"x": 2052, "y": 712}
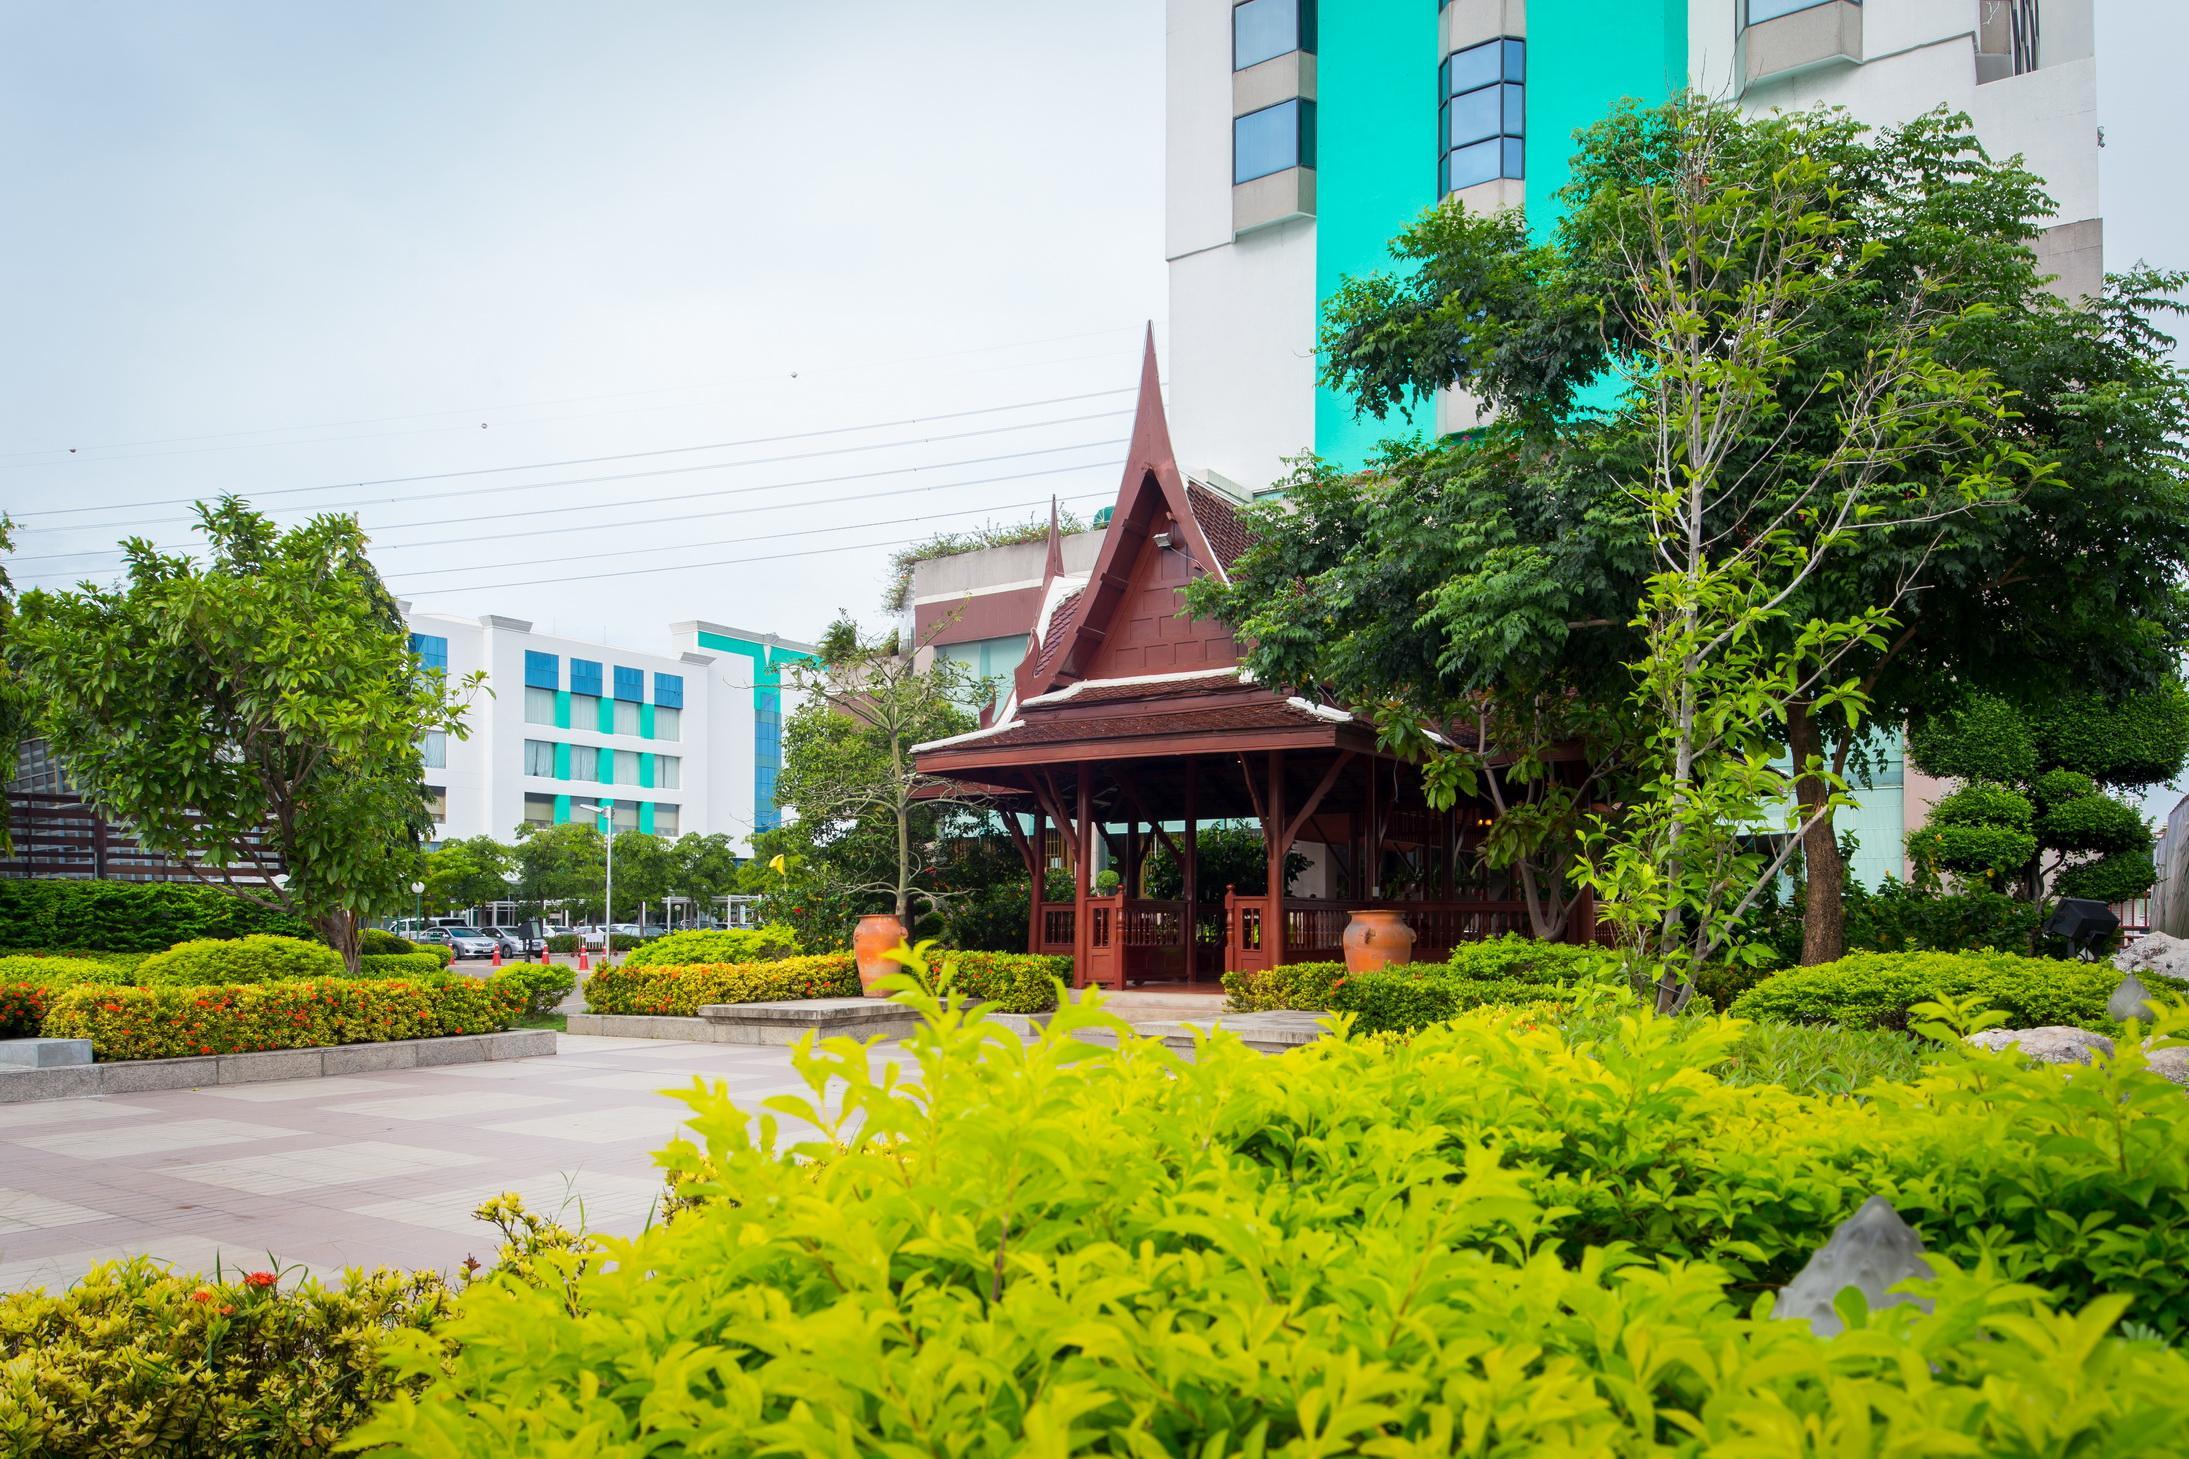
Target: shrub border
{"x": 143, "y": 1076}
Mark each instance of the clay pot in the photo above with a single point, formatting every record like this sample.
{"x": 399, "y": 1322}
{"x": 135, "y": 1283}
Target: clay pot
{"x": 876, "y": 937}
{"x": 1376, "y": 939}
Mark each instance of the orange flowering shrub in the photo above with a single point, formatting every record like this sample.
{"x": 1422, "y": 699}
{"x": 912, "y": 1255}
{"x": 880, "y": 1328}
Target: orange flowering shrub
{"x": 172, "y": 1023}
{"x": 682, "y": 991}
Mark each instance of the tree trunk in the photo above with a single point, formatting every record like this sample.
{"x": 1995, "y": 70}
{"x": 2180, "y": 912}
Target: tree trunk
{"x": 340, "y": 931}
{"x": 1824, "y": 914}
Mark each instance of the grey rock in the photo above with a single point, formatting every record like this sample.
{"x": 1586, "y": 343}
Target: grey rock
{"x": 36, "y": 1053}
{"x": 2130, "y": 1000}
{"x": 2156, "y": 953}
{"x": 2171, "y": 1062}
{"x": 2052, "y": 1044}
{"x": 1872, "y": 1251}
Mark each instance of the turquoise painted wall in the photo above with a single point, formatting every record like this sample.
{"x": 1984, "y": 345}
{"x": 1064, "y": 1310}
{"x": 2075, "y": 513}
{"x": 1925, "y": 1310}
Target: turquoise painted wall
{"x": 1375, "y": 169}
{"x": 767, "y": 703}
{"x": 1585, "y": 56}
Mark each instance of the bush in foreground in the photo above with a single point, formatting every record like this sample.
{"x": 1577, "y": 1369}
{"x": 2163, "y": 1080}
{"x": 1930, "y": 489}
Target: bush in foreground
{"x": 1876, "y": 990}
{"x": 135, "y": 1360}
{"x": 731, "y": 945}
{"x": 178, "y": 1022}
{"x": 1486, "y": 1240}
{"x": 255, "y": 959}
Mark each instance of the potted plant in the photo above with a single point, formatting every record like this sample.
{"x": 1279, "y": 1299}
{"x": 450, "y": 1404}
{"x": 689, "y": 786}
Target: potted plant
{"x": 1106, "y": 883}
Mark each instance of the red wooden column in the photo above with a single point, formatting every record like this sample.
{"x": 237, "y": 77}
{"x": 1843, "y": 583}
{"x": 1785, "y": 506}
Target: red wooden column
{"x": 1082, "y": 858}
{"x": 1273, "y": 831}
{"x": 1039, "y": 872}
{"x": 1190, "y": 849}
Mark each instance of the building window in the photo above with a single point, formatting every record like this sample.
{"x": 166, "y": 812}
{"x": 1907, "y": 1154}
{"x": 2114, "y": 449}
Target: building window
{"x": 665, "y": 820}
{"x": 626, "y": 815}
{"x": 626, "y": 716}
{"x": 669, "y": 691}
{"x": 585, "y": 677}
{"x": 539, "y": 757}
{"x": 539, "y": 706}
{"x": 585, "y": 711}
{"x": 542, "y": 671}
{"x": 432, "y": 650}
{"x": 1262, "y": 30}
{"x": 539, "y": 810}
{"x": 630, "y": 684}
{"x": 1760, "y": 11}
{"x": 437, "y": 801}
{"x": 667, "y": 724}
{"x": 434, "y": 748}
{"x": 669, "y": 772}
{"x": 1483, "y": 114}
{"x": 1273, "y": 139}
{"x": 584, "y": 762}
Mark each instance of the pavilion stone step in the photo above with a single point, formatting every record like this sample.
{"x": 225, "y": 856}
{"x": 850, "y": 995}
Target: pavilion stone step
{"x": 788, "y": 1021}
{"x": 1134, "y": 1005}
{"x": 1267, "y": 1033}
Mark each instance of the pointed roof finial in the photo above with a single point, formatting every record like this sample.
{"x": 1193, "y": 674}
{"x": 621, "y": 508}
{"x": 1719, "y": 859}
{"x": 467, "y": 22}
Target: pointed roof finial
{"x": 1053, "y": 569}
{"x": 1151, "y": 438}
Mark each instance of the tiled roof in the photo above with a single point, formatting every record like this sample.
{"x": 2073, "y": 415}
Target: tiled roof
{"x": 1061, "y": 623}
{"x": 1145, "y": 686}
{"x": 1265, "y": 714}
{"x": 1219, "y": 520}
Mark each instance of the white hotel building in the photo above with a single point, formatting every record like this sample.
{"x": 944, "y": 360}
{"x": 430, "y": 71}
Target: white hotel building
{"x": 684, "y": 742}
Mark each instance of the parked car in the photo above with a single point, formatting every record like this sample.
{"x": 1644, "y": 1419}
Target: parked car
{"x": 463, "y": 941}
{"x": 514, "y": 942}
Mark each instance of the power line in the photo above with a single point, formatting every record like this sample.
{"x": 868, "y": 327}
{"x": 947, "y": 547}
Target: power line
{"x": 597, "y": 480}
{"x": 62, "y": 575}
{"x": 761, "y": 536}
{"x": 719, "y": 562}
{"x": 473, "y": 411}
{"x": 617, "y": 456}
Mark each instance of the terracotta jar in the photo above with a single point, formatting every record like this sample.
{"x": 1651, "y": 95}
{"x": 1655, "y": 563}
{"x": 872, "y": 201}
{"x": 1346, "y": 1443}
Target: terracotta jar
{"x": 875, "y": 939}
{"x": 1377, "y": 939}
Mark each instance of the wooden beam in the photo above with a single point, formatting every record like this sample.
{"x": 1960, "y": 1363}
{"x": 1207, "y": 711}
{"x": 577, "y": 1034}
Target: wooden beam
{"x": 1254, "y": 794}
{"x": 1315, "y": 797}
{"x": 1189, "y": 864}
{"x": 1082, "y": 946}
{"x": 1273, "y": 926}
{"x": 1140, "y": 808}
{"x": 1038, "y": 877}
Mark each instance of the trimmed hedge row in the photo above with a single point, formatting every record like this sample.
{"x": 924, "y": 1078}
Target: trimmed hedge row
{"x": 128, "y": 916}
{"x": 254, "y": 959}
{"x": 730, "y": 945}
{"x": 1876, "y": 990}
{"x": 1503, "y": 970}
{"x": 172, "y": 1022}
{"x": 421, "y": 964}
{"x": 1013, "y": 982}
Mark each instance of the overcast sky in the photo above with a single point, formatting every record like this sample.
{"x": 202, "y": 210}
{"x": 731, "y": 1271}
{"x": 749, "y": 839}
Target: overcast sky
{"x": 275, "y": 247}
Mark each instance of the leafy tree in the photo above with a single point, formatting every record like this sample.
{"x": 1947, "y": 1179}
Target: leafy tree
{"x": 2035, "y": 814}
{"x": 868, "y": 819}
{"x": 645, "y": 873}
{"x": 257, "y": 716}
{"x": 706, "y": 869}
{"x": 1225, "y": 856}
{"x": 566, "y": 864}
{"x": 2073, "y": 573}
{"x": 466, "y": 872}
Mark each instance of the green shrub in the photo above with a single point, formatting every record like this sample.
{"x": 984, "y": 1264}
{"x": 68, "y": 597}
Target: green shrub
{"x": 1288, "y": 985}
{"x": 29, "y": 982}
{"x": 1486, "y": 1240}
{"x": 423, "y": 963}
{"x": 1876, "y": 990}
{"x": 682, "y": 992}
{"x": 1900, "y": 916}
{"x": 379, "y": 942}
{"x": 733, "y": 945}
{"x": 136, "y": 1360}
{"x": 2055, "y": 786}
{"x": 243, "y": 960}
{"x": 169, "y": 1022}
{"x": 1530, "y": 960}
{"x": 1508, "y": 970}
{"x": 1981, "y": 803}
{"x": 544, "y": 985}
{"x": 562, "y": 942}
{"x": 2095, "y": 823}
{"x": 1012, "y": 982}
{"x": 2117, "y": 878}
{"x": 1984, "y": 853}
{"x": 119, "y": 916}
{"x": 1821, "y": 1059}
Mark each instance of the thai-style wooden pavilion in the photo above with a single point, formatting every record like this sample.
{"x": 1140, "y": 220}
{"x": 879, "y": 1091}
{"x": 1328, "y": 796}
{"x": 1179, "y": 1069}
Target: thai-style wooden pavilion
{"x": 1132, "y": 724}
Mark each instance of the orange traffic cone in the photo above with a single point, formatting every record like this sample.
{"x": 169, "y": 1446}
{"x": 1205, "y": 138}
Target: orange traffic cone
{"x": 497, "y": 955}
{"x": 545, "y": 960}
{"x": 583, "y": 965}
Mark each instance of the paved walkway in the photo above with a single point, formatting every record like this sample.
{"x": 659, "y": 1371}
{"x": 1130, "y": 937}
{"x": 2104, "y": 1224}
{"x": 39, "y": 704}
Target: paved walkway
{"x": 364, "y": 1170}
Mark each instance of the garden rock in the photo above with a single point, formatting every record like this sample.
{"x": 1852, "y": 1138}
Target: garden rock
{"x": 2053, "y": 1044}
{"x": 1872, "y": 1251}
{"x": 2171, "y": 1063}
{"x": 2130, "y": 1000}
{"x": 2156, "y": 952}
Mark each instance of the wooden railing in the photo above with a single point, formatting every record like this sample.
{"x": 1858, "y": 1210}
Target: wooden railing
{"x": 1314, "y": 930}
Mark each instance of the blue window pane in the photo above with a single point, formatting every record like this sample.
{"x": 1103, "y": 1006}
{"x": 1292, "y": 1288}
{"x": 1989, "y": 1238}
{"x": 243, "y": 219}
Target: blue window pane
{"x": 1472, "y": 117}
{"x": 1468, "y": 166}
{"x": 1516, "y": 111}
{"x": 432, "y": 650}
{"x": 630, "y": 684}
{"x": 1475, "y": 66}
{"x": 542, "y": 671}
{"x": 1516, "y": 59}
{"x": 1515, "y": 152}
{"x": 1262, "y": 30}
{"x": 1761, "y": 10}
{"x": 669, "y": 691}
{"x": 1266, "y": 141}
{"x": 585, "y": 677}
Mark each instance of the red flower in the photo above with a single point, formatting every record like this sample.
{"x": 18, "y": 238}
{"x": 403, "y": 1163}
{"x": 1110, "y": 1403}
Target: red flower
{"x": 202, "y": 1294}
{"x": 259, "y": 1279}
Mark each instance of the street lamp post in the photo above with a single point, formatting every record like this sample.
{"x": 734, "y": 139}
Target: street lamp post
{"x": 607, "y": 810}
{"x": 418, "y": 902}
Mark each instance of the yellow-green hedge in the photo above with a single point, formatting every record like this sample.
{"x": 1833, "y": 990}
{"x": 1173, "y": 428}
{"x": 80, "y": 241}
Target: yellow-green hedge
{"x": 683, "y": 991}
{"x": 174, "y": 1022}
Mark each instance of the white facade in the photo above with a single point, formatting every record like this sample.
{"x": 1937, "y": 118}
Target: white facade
{"x": 680, "y": 743}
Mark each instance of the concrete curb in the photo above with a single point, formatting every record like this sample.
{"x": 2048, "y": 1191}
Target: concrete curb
{"x": 728, "y": 1029}
{"x": 145, "y": 1076}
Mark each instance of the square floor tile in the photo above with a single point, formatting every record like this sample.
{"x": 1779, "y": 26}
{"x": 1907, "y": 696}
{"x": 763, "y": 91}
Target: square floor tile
{"x": 650, "y": 1081}
{"x": 113, "y": 1142}
{"x": 65, "y": 1112}
{"x": 517, "y": 1069}
{"x": 443, "y": 1105}
{"x": 22, "y": 1210}
{"x": 601, "y": 1201}
{"x": 275, "y": 1174}
{"x": 276, "y": 1090}
{"x": 620, "y": 1124}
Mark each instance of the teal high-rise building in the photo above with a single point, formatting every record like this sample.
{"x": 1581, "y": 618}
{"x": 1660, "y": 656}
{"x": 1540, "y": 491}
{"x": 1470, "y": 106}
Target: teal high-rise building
{"x": 1304, "y": 134}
